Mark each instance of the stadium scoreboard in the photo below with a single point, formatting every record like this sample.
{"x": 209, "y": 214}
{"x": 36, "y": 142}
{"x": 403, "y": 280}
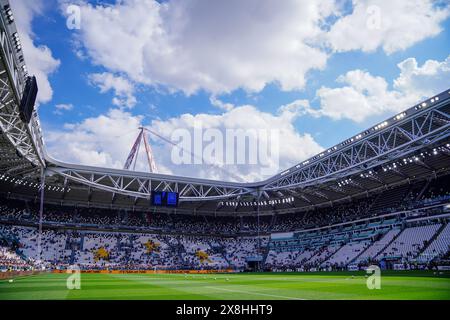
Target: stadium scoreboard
{"x": 164, "y": 199}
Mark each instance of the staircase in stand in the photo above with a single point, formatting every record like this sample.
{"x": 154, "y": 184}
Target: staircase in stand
{"x": 436, "y": 234}
{"x": 359, "y": 254}
{"x": 387, "y": 245}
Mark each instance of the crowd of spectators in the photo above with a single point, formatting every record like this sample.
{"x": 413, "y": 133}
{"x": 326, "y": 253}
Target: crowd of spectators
{"x": 227, "y": 225}
{"x": 185, "y": 241}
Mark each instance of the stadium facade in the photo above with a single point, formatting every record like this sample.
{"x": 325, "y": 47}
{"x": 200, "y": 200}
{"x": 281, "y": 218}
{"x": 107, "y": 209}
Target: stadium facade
{"x": 381, "y": 195}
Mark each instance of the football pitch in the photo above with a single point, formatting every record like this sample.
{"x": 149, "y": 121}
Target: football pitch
{"x": 254, "y": 286}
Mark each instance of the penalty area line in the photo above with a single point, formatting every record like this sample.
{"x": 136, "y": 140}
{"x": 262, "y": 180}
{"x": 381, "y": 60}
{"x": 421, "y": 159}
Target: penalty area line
{"x": 256, "y": 293}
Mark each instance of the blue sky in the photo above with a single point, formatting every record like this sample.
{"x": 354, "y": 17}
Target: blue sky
{"x": 167, "y": 97}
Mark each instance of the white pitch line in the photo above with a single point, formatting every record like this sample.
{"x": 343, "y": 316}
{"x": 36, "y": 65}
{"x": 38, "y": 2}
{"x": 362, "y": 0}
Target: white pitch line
{"x": 257, "y": 293}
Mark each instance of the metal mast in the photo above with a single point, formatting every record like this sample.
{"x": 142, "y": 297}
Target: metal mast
{"x": 142, "y": 136}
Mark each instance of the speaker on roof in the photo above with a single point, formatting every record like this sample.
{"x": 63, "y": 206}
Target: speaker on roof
{"x": 26, "y": 107}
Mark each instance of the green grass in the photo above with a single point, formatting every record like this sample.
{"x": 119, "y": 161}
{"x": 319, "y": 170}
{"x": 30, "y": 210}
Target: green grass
{"x": 264, "y": 286}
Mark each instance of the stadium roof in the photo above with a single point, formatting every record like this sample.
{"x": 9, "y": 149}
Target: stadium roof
{"x": 411, "y": 145}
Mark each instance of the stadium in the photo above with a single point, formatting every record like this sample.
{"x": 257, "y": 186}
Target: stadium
{"x": 377, "y": 202}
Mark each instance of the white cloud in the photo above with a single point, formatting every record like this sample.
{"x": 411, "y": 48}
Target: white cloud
{"x": 106, "y": 141}
{"x": 60, "y": 108}
{"x": 365, "y": 95}
{"x": 220, "y": 104}
{"x": 293, "y": 147}
{"x": 390, "y": 24}
{"x": 123, "y": 89}
{"x": 190, "y": 45}
{"x": 432, "y": 77}
{"x": 39, "y": 58}
{"x": 298, "y": 108}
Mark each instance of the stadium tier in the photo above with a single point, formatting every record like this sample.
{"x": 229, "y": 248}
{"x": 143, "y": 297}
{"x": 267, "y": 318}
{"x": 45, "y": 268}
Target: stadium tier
{"x": 412, "y": 234}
